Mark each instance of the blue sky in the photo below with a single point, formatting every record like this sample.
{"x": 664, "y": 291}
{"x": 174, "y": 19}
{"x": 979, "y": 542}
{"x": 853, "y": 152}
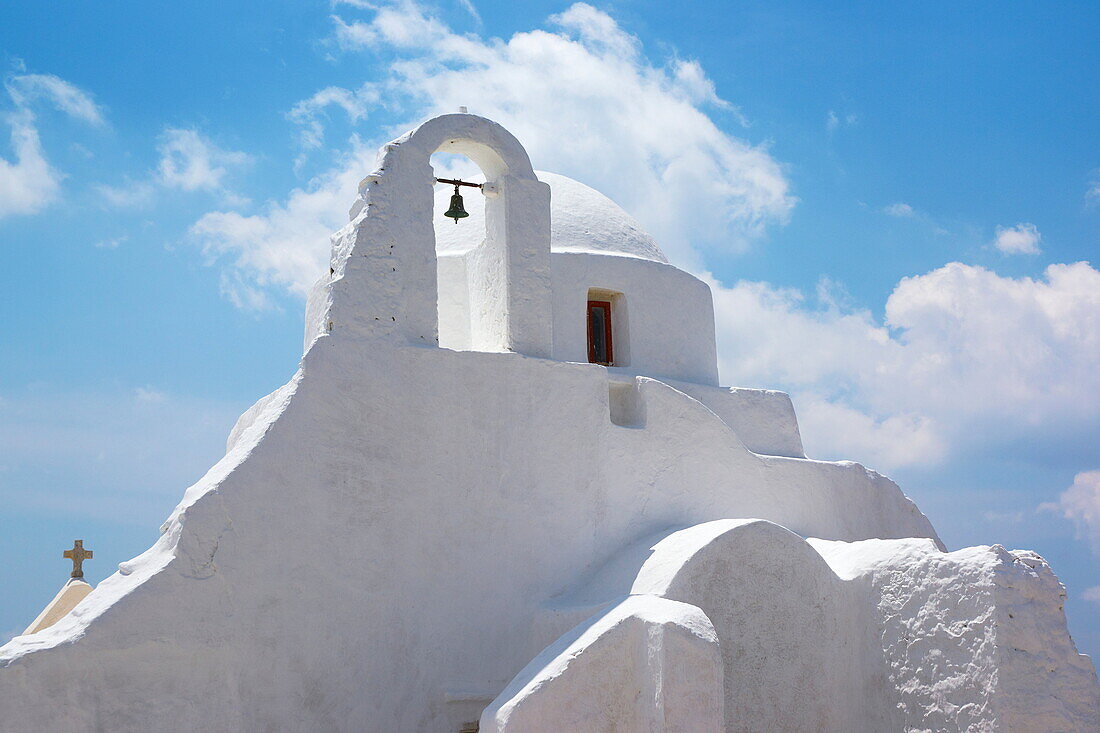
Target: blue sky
{"x": 898, "y": 207}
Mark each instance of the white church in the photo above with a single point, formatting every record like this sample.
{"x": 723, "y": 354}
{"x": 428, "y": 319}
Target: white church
{"x": 505, "y": 491}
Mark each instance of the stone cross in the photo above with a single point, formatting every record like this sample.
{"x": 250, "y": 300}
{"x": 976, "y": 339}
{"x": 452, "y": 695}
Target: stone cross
{"x": 78, "y": 555}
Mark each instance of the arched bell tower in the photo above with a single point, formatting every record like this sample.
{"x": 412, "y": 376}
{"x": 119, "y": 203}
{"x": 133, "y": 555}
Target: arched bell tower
{"x": 384, "y": 261}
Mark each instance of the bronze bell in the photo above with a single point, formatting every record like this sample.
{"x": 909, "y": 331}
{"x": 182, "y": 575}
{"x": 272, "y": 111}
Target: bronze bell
{"x": 457, "y": 210}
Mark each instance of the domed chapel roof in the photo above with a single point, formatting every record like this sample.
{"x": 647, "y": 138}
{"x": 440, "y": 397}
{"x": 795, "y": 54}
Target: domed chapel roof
{"x": 581, "y": 220}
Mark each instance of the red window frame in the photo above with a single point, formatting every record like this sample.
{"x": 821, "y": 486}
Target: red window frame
{"x": 605, "y": 305}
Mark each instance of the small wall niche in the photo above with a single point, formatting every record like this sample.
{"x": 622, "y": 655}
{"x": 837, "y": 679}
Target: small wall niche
{"x": 625, "y": 401}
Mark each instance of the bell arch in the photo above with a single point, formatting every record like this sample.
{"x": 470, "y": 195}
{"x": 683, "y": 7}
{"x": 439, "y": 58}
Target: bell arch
{"x": 509, "y": 275}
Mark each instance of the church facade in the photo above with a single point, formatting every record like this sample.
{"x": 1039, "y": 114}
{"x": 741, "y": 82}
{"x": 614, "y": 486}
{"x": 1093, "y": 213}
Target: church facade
{"x": 504, "y": 491}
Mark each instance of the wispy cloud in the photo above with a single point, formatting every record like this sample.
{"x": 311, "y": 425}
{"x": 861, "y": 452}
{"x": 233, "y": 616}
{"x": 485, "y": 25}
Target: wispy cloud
{"x": 243, "y": 293}
{"x": 112, "y": 243}
{"x": 149, "y": 395}
{"x": 899, "y": 210}
{"x": 1092, "y": 195}
{"x": 287, "y": 244}
{"x": 310, "y": 113}
{"x": 1080, "y": 503}
{"x": 29, "y": 183}
{"x": 959, "y": 352}
{"x": 192, "y": 162}
{"x": 468, "y": 6}
{"x": 1003, "y": 517}
{"x": 903, "y": 210}
{"x": 25, "y": 89}
{"x": 834, "y": 121}
{"x": 668, "y": 150}
{"x": 127, "y": 195}
{"x": 1022, "y": 239}
{"x": 694, "y": 186}
{"x": 188, "y": 161}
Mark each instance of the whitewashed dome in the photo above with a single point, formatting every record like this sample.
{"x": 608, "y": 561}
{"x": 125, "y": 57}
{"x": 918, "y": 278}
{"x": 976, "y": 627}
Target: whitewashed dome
{"x": 581, "y": 220}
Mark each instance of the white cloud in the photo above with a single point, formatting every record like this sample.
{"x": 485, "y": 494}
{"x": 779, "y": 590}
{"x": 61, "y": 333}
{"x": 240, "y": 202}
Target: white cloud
{"x": 637, "y": 130}
{"x": 900, "y": 210}
{"x": 309, "y": 113}
{"x": 191, "y": 162}
{"x": 834, "y": 429}
{"x": 286, "y": 244}
{"x": 468, "y": 6}
{"x": 1081, "y": 504}
{"x": 243, "y": 293}
{"x": 1014, "y": 347}
{"x": 960, "y": 356}
{"x": 404, "y": 24}
{"x": 1022, "y": 239}
{"x": 964, "y": 357}
{"x": 607, "y": 115}
{"x": 112, "y": 243}
{"x": 62, "y": 95}
{"x": 130, "y": 194}
{"x": 834, "y": 121}
{"x": 29, "y": 183}
{"x": 149, "y": 395}
{"x": 773, "y": 337}
{"x": 1091, "y": 594}
{"x": 598, "y": 30}
{"x": 1003, "y": 517}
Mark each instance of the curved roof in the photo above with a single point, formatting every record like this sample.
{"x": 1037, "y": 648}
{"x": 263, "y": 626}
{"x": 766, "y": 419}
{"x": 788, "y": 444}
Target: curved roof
{"x": 581, "y": 220}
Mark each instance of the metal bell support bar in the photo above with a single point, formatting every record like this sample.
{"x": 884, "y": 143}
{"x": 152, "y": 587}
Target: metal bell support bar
{"x": 457, "y": 182}
{"x": 457, "y": 209}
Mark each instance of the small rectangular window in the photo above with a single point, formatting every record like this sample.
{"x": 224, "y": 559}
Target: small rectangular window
{"x": 599, "y": 332}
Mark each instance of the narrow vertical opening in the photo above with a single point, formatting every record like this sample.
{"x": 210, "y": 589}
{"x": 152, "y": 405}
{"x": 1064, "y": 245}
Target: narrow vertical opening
{"x": 600, "y": 342}
{"x": 607, "y": 328}
{"x": 454, "y": 240}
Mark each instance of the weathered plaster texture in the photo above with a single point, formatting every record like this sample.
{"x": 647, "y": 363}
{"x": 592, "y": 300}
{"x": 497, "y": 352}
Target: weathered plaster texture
{"x": 398, "y": 531}
{"x": 974, "y": 639}
{"x": 873, "y": 635}
{"x": 794, "y": 654}
{"x": 647, "y": 664}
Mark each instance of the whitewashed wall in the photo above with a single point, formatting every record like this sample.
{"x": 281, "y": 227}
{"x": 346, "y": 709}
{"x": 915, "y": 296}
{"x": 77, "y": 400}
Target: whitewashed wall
{"x": 379, "y": 547}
